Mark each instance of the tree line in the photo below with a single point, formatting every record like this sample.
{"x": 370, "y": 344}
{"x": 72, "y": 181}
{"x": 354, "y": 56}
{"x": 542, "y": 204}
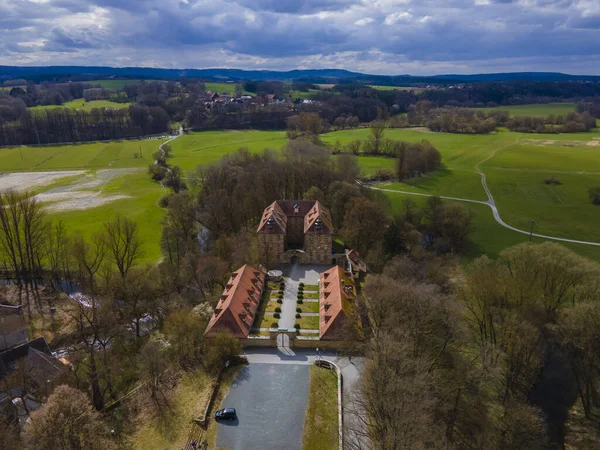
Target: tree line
{"x": 452, "y": 363}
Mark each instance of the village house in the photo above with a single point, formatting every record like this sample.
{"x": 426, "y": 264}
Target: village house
{"x": 237, "y": 306}
{"x": 297, "y": 231}
{"x": 27, "y": 368}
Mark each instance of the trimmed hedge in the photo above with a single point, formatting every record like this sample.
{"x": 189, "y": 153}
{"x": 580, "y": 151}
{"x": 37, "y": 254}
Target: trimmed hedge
{"x": 277, "y": 315}
{"x": 280, "y": 301}
{"x": 275, "y": 325}
{"x": 298, "y": 315}
{"x": 300, "y": 301}
{"x": 278, "y": 309}
{"x": 298, "y": 310}
{"x": 297, "y": 326}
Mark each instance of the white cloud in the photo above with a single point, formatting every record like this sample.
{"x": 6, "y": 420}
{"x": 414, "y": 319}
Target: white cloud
{"x": 364, "y": 21}
{"x": 394, "y": 18}
{"x": 422, "y": 36}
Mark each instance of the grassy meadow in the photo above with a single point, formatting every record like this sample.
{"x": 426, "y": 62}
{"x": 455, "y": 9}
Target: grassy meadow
{"x": 209, "y": 147}
{"x": 558, "y": 109}
{"x": 219, "y": 88}
{"x": 516, "y": 165}
{"x": 119, "y": 84}
{"x": 82, "y": 104}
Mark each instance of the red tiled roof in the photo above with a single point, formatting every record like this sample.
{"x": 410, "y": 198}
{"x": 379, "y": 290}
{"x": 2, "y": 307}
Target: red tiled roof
{"x": 237, "y": 306}
{"x": 279, "y": 220}
{"x": 318, "y": 211}
{"x": 336, "y": 301}
{"x": 280, "y": 210}
{"x": 355, "y": 259}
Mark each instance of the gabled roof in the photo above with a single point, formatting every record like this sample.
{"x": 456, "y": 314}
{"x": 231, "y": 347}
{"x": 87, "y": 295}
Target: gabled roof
{"x": 237, "y": 306}
{"x": 354, "y": 259}
{"x": 274, "y": 220}
{"x": 318, "y": 220}
{"x": 42, "y": 364}
{"x": 337, "y": 298}
{"x": 7, "y": 310}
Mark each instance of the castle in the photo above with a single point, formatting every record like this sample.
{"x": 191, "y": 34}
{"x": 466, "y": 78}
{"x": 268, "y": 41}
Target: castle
{"x": 297, "y": 231}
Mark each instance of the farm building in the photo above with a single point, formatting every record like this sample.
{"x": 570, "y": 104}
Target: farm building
{"x": 337, "y": 303}
{"x": 237, "y": 305}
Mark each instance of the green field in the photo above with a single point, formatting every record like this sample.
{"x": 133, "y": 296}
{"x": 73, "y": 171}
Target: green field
{"x": 536, "y": 110}
{"x": 82, "y": 104}
{"x": 516, "y": 166}
{"x": 210, "y": 146}
{"x": 114, "y": 154}
{"x": 119, "y": 84}
{"x": 219, "y": 88}
{"x": 396, "y": 88}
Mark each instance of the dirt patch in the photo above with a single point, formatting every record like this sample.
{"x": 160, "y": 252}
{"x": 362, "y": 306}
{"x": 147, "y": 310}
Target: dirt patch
{"x": 74, "y": 200}
{"x": 28, "y": 180}
{"x": 549, "y": 142}
{"x": 420, "y": 129}
{"x": 593, "y": 143}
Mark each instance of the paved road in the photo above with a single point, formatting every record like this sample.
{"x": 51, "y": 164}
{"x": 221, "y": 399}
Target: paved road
{"x": 351, "y": 369}
{"x": 270, "y": 400}
{"x": 492, "y": 204}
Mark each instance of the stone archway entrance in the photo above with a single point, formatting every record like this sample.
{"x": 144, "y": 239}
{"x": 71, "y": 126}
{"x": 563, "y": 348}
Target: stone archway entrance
{"x": 284, "y": 338}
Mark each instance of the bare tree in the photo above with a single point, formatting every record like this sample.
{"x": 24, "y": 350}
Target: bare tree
{"x": 122, "y": 241}
{"x": 67, "y": 421}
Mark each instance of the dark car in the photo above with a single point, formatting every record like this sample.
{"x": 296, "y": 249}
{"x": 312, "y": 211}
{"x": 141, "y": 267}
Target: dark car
{"x": 226, "y": 414}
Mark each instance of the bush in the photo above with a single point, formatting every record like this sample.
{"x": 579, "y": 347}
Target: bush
{"x": 301, "y": 285}
{"x": 594, "y": 194}
{"x": 300, "y": 289}
{"x": 275, "y": 325}
{"x": 297, "y": 326}
{"x": 300, "y": 296}
{"x": 298, "y": 310}
{"x": 553, "y": 181}
{"x": 280, "y": 301}
{"x": 282, "y": 286}
{"x": 280, "y": 295}
{"x": 278, "y": 309}
{"x": 300, "y": 301}
{"x": 298, "y": 316}
{"x": 277, "y": 315}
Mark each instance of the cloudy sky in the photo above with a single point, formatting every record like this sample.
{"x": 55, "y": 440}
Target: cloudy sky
{"x": 372, "y": 36}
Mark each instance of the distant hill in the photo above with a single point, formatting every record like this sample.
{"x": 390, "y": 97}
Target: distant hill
{"x": 82, "y": 73}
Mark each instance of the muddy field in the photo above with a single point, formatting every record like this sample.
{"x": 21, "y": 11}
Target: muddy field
{"x": 85, "y": 191}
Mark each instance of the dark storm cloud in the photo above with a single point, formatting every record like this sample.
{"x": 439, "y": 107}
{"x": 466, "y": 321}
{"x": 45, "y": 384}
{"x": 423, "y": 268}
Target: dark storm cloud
{"x": 381, "y": 36}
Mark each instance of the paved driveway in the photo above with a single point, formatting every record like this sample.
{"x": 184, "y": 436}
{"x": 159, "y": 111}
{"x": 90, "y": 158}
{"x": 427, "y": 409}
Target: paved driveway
{"x": 270, "y": 400}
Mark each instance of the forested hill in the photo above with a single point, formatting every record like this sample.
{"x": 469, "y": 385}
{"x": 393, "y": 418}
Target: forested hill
{"x": 43, "y": 73}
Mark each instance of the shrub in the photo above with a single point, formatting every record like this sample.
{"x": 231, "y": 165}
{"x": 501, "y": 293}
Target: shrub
{"x": 280, "y": 301}
{"x": 300, "y": 296}
{"x": 278, "y": 309}
{"x": 297, "y": 326}
{"x": 594, "y": 194}
{"x": 298, "y": 316}
{"x": 301, "y": 285}
{"x": 298, "y": 310}
{"x": 552, "y": 181}
{"x": 277, "y": 315}
{"x": 282, "y": 285}
{"x": 280, "y": 295}
{"x": 275, "y": 325}
{"x": 300, "y": 301}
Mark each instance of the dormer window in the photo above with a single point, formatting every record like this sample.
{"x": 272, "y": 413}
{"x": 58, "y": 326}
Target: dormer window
{"x": 296, "y": 208}
{"x": 271, "y": 223}
{"x": 318, "y": 223}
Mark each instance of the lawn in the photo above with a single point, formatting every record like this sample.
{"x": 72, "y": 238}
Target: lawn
{"x": 312, "y": 295}
{"x": 396, "y": 88}
{"x": 262, "y": 320}
{"x": 536, "y": 110}
{"x": 82, "y": 104}
{"x": 309, "y": 307}
{"x": 308, "y": 322}
{"x": 208, "y": 147}
{"x": 268, "y": 306}
{"x": 311, "y": 287}
{"x": 321, "y": 419}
